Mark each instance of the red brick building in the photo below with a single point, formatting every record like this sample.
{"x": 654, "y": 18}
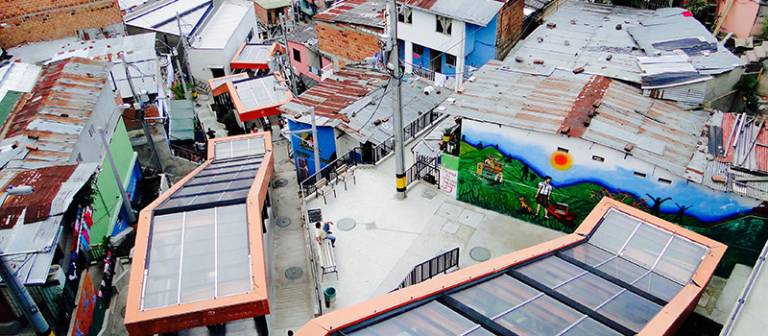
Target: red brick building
{"x": 24, "y": 21}
{"x": 268, "y": 11}
{"x": 351, "y": 31}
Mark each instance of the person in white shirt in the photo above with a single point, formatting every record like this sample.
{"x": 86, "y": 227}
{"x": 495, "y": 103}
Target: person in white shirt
{"x": 543, "y": 193}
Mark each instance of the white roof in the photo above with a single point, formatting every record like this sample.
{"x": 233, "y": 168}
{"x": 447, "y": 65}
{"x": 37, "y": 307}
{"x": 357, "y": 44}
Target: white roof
{"x": 219, "y": 29}
{"x": 19, "y": 77}
{"x": 161, "y": 17}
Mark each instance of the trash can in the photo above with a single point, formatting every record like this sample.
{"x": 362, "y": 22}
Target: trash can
{"x": 330, "y": 296}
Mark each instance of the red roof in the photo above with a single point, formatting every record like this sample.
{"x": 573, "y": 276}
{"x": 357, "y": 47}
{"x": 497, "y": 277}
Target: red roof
{"x": 46, "y": 183}
{"x": 360, "y": 12}
{"x": 758, "y": 158}
{"x": 344, "y": 88}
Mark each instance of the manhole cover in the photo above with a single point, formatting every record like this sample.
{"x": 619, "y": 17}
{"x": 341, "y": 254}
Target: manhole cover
{"x": 283, "y": 222}
{"x": 429, "y": 194}
{"x": 293, "y": 273}
{"x": 480, "y": 254}
{"x": 346, "y": 224}
{"x": 279, "y": 183}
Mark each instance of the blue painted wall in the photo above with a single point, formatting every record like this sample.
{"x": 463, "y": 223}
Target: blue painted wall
{"x": 303, "y": 153}
{"x": 480, "y": 43}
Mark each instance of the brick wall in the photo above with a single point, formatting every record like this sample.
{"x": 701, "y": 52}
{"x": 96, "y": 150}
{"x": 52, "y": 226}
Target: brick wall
{"x": 347, "y": 43}
{"x": 39, "y": 20}
{"x": 510, "y": 27}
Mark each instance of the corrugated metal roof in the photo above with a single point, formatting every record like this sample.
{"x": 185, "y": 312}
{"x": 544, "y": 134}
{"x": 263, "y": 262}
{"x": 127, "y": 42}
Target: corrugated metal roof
{"x": 360, "y": 12}
{"x": 139, "y": 51}
{"x": 478, "y": 12}
{"x": 29, "y": 224}
{"x": 339, "y": 91}
{"x": 607, "y": 40}
{"x": 366, "y": 114}
{"x": 663, "y": 133}
{"x": 272, "y": 4}
{"x": 254, "y": 53}
{"x": 260, "y": 93}
{"x": 304, "y": 34}
{"x": 182, "y": 123}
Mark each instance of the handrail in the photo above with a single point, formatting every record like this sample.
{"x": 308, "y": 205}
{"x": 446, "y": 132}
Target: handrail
{"x": 439, "y": 264}
{"x": 745, "y": 292}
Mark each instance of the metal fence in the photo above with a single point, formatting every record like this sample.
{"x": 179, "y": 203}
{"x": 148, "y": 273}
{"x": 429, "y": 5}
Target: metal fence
{"x": 423, "y": 171}
{"x": 432, "y": 267}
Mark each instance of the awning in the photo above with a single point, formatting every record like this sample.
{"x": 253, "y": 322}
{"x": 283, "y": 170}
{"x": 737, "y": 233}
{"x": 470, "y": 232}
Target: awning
{"x": 182, "y": 123}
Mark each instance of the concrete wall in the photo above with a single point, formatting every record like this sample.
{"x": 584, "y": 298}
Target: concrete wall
{"x": 481, "y": 43}
{"x": 202, "y": 60}
{"x": 107, "y": 201}
{"x": 423, "y": 32}
{"x": 303, "y": 153}
{"x": 40, "y": 20}
{"x": 105, "y": 115}
{"x": 347, "y": 43}
{"x": 309, "y": 58}
{"x": 261, "y": 13}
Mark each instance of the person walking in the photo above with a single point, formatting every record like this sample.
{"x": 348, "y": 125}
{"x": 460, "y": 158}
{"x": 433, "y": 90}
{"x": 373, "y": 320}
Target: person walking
{"x": 543, "y": 192}
{"x": 321, "y": 235}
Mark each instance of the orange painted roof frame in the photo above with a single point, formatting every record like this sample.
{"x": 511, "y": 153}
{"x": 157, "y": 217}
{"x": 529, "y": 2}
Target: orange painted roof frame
{"x": 218, "y": 85}
{"x": 219, "y": 310}
{"x": 236, "y": 63}
{"x": 265, "y": 110}
{"x": 665, "y": 322}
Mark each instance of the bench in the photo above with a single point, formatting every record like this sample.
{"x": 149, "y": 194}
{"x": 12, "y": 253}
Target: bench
{"x": 343, "y": 173}
{"x": 327, "y": 259}
{"x": 323, "y": 188}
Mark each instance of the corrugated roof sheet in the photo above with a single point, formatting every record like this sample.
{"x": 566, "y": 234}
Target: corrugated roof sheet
{"x": 663, "y": 133}
{"x": 254, "y": 53}
{"x": 304, "y": 34}
{"x": 360, "y": 12}
{"x": 182, "y": 123}
{"x": 272, "y": 4}
{"x": 478, "y": 12}
{"x": 607, "y": 40}
{"x": 367, "y": 117}
{"x": 29, "y": 224}
{"x": 260, "y": 93}
{"x": 339, "y": 91}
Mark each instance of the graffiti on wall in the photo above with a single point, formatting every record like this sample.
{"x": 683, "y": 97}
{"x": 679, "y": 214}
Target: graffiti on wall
{"x": 516, "y": 175}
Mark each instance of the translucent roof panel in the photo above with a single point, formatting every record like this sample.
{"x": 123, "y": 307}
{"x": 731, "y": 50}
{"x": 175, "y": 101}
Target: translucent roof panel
{"x": 681, "y": 260}
{"x": 630, "y": 310}
{"x": 430, "y": 319}
{"x": 495, "y": 297}
{"x": 239, "y": 148}
{"x": 590, "y": 327}
{"x": 197, "y": 255}
{"x": 613, "y": 231}
{"x": 542, "y": 316}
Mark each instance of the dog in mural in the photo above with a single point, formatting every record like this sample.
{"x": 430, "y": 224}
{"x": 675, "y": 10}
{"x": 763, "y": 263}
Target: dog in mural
{"x": 524, "y": 207}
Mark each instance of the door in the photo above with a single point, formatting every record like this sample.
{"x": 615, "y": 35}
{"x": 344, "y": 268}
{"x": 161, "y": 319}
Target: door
{"x": 436, "y": 62}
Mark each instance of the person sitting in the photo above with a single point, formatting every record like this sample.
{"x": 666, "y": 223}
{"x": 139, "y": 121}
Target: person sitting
{"x": 321, "y": 235}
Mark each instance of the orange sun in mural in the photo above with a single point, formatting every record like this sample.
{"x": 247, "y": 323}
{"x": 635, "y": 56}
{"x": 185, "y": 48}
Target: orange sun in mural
{"x": 561, "y": 160}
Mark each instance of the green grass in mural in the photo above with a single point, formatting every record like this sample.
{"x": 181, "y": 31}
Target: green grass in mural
{"x": 745, "y": 236}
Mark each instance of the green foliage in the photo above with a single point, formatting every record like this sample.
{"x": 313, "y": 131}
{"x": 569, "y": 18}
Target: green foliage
{"x": 697, "y": 7}
{"x": 765, "y": 28}
{"x": 178, "y": 90}
{"x": 747, "y": 90}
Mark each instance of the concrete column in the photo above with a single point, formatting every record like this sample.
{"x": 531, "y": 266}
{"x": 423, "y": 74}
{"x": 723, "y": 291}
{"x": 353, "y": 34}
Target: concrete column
{"x": 261, "y": 325}
{"x": 460, "y": 58}
{"x": 408, "y": 57}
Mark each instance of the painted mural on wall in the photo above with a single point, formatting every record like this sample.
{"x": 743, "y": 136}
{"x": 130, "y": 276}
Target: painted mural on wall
{"x": 556, "y": 182}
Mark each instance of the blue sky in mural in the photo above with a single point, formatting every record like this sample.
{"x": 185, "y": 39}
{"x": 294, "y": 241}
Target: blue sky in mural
{"x": 706, "y": 204}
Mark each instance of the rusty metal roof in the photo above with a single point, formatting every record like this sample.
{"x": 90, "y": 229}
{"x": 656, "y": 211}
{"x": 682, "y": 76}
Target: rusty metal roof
{"x": 359, "y": 12}
{"x": 597, "y": 109}
{"x": 60, "y": 105}
{"x": 478, "y": 12}
{"x": 332, "y": 95}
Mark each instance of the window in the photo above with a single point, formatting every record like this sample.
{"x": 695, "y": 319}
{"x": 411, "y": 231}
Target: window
{"x": 250, "y": 36}
{"x": 663, "y": 180}
{"x": 443, "y": 24}
{"x": 561, "y": 149}
{"x": 598, "y": 158}
{"x": 297, "y": 55}
{"x": 404, "y": 14}
{"x": 450, "y": 60}
{"x": 639, "y": 174}
{"x": 418, "y": 49}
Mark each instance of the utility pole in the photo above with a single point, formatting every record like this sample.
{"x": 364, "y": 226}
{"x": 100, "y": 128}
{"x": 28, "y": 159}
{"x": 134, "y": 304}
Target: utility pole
{"x": 140, "y": 112}
{"x": 287, "y": 52}
{"x": 397, "y": 113}
{"x": 315, "y": 142}
{"x": 183, "y": 44}
{"x": 22, "y": 298}
{"x": 126, "y": 199}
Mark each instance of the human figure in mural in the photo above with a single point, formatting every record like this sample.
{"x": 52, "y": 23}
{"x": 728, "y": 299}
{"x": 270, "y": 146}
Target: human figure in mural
{"x": 543, "y": 192}
{"x": 680, "y": 212}
{"x": 525, "y": 173}
{"x": 657, "y": 201}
